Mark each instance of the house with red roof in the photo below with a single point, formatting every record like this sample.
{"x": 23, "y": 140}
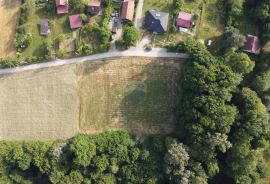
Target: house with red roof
{"x": 184, "y": 20}
{"x": 94, "y": 6}
{"x": 61, "y": 6}
{"x": 127, "y": 10}
{"x": 252, "y": 45}
{"x": 75, "y": 21}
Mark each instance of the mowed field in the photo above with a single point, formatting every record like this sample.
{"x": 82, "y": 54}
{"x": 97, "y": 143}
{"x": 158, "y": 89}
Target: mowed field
{"x": 39, "y": 105}
{"x": 9, "y": 12}
{"x": 136, "y": 94}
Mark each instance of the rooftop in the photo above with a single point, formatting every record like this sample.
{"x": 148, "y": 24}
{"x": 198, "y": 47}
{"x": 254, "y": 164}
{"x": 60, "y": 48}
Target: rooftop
{"x": 75, "y": 21}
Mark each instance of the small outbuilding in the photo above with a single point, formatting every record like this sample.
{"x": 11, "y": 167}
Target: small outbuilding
{"x": 44, "y": 27}
{"x": 94, "y": 6}
{"x": 75, "y": 21}
{"x": 61, "y": 6}
{"x": 184, "y": 20}
{"x": 127, "y": 10}
{"x": 252, "y": 45}
{"x": 156, "y": 21}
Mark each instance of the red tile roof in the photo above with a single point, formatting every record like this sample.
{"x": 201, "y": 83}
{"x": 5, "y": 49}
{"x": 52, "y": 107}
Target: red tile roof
{"x": 75, "y": 21}
{"x": 61, "y": 6}
{"x": 127, "y": 10}
{"x": 184, "y": 20}
{"x": 94, "y": 3}
{"x": 252, "y": 45}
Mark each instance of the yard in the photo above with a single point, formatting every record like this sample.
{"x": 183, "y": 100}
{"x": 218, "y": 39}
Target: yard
{"x": 59, "y": 25}
{"x": 209, "y": 25}
{"x": 9, "y": 12}
{"x": 135, "y": 94}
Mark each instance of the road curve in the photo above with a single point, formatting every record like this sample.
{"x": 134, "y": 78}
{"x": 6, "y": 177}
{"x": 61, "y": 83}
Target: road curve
{"x": 156, "y": 52}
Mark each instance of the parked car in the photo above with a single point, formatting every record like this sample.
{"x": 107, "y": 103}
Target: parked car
{"x": 115, "y": 27}
{"x": 148, "y": 49}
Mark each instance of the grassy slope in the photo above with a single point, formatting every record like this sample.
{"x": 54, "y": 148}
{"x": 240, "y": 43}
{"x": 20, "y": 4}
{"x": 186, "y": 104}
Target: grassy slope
{"x": 132, "y": 93}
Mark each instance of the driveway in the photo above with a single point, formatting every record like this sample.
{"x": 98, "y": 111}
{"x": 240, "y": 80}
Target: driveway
{"x": 138, "y": 18}
{"x": 156, "y": 52}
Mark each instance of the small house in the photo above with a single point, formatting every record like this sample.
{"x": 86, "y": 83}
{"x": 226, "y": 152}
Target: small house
{"x": 156, "y": 21}
{"x": 75, "y": 21}
{"x": 127, "y": 10}
{"x": 44, "y": 27}
{"x": 184, "y": 21}
{"x": 61, "y": 6}
{"x": 252, "y": 45}
{"x": 94, "y": 6}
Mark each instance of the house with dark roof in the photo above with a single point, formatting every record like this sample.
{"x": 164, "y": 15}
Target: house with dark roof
{"x": 127, "y": 10}
{"x": 44, "y": 27}
{"x": 75, "y": 21}
{"x": 94, "y": 6}
{"x": 252, "y": 45}
{"x": 156, "y": 21}
{"x": 184, "y": 20}
{"x": 61, "y": 6}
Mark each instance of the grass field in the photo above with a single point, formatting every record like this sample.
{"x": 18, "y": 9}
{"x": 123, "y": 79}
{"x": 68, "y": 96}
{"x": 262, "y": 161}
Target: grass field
{"x": 9, "y": 11}
{"x": 136, "y": 94}
{"x": 132, "y": 93}
{"x": 39, "y": 104}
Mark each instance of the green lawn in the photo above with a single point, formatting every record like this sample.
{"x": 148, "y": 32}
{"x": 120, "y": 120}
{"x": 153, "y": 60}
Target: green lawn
{"x": 161, "y": 5}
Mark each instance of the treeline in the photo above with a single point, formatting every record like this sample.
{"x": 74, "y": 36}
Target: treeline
{"x": 110, "y": 157}
{"x": 226, "y": 126}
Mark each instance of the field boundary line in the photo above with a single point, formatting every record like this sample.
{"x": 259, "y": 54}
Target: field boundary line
{"x": 155, "y": 53}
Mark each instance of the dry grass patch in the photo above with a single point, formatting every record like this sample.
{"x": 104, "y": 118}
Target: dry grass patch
{"x": 39, "y": 105}
{"x": 135, "y": 94}
{"x": 9, "y": 11}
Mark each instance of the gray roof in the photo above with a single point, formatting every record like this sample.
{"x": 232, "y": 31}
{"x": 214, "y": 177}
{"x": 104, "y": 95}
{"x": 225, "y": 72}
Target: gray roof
{"x": 44, "y": 27}
{"x": 157, "y": 21}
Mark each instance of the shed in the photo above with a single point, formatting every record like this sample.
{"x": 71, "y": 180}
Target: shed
{"x": 184, "y": 20}
{"x": 75, "y": 21}
{"x": 61, "y": 6}
{"x": 44, "y": 27}
{"x": 252, "y": 45}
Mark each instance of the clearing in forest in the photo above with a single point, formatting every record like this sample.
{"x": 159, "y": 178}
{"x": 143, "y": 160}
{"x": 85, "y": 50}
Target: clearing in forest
{"x": 9, "y": 12}
{"x": 136, "y": 94}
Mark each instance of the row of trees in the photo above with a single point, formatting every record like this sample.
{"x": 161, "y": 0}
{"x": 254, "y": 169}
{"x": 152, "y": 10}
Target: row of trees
{"x": 107, "y": 158}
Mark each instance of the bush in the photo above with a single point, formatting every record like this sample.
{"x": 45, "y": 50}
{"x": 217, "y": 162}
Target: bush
{"x": 130, "y": 36}
{"x": 9, "y": 62}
